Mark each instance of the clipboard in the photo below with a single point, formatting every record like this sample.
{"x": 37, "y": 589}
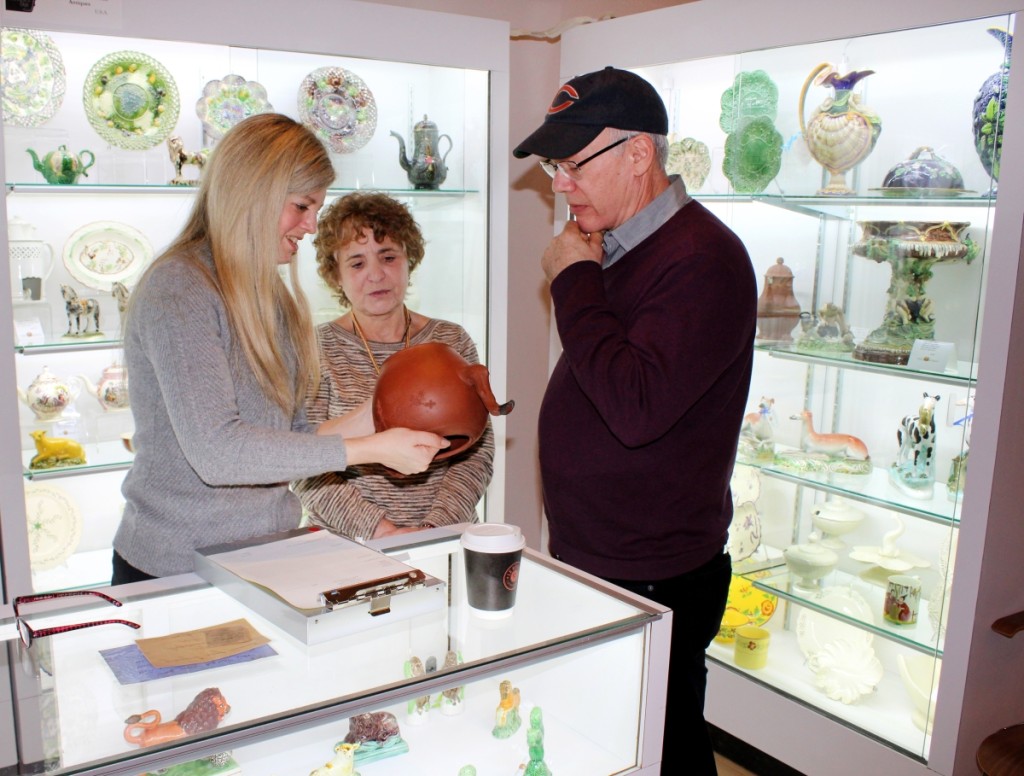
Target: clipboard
{"x": 319, "y": 586}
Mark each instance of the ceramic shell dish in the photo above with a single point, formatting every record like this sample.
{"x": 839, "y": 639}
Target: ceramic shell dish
{"x": 131, "y": 100}
{"x": 338, "y": 107}
{"x": 226, "y": 102}
{"x": 31, "y": 77}
{"x": 844, "y": 671}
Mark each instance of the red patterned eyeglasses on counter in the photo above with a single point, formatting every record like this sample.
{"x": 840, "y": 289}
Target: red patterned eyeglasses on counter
{"x": 29, "y": 634}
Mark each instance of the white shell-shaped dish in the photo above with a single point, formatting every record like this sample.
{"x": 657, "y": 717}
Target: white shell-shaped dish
{"x": 846, "y": 671}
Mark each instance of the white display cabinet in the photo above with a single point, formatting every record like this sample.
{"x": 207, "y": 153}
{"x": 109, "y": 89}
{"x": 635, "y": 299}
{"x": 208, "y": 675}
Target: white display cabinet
{"x": 126, "y": 200}
{"x": 592, "y": 657}
{"x": 875, "y": 695}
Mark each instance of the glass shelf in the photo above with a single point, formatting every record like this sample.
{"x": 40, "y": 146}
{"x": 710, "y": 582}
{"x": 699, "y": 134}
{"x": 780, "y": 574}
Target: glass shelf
{"x": 163, "y": 188}
{"x": 840, "y": 207}
{"x": 81, "y": 345}
{"x": 100, "y": 457}
{"x": 965, "y": 373}
{"x": 873, "y": 488}
{"x": 920, "y": 636}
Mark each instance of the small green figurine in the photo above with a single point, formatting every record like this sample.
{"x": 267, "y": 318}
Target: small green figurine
{"x": 507, "y": 721}
{"x": 535, "y": 742}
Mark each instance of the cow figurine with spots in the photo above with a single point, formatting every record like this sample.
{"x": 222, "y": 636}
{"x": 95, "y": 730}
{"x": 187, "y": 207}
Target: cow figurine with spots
{"x": 914, "y": 469}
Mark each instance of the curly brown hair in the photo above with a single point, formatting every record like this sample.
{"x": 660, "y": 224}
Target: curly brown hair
{"x": 345, "y": 220}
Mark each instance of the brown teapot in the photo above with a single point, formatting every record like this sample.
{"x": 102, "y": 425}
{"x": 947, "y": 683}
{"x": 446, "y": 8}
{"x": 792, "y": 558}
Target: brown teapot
{"x": 430, "y": 387}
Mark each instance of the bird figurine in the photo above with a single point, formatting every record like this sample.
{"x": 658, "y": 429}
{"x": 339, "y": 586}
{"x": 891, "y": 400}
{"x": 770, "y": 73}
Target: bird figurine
{"x": 989, "y": 109}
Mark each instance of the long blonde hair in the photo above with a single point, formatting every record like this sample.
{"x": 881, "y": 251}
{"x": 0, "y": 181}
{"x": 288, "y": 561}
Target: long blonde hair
{"x": 252, "y": 171}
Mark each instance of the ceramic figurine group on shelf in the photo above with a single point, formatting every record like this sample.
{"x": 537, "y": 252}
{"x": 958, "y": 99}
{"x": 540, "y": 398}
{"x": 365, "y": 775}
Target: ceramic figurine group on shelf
{"x": 376, "y": 735}
{"x": 450, "y": 699}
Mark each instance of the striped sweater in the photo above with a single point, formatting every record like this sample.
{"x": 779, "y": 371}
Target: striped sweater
{"x": 353, "y": 501}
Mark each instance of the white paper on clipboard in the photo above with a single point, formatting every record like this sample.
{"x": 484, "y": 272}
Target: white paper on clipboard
{"x": 300, "y": 568}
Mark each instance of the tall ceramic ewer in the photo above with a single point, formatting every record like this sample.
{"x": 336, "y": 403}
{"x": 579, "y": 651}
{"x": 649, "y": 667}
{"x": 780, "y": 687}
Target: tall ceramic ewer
{"x": 31, "y": 260}
{"x": 426, "y": 169}
{"x": 989, "y": 109}
{"x": 841, "y": 132}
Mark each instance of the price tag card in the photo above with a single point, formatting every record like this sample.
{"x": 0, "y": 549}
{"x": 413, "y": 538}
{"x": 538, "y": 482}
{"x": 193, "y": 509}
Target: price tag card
{"x": 932, "y": 356}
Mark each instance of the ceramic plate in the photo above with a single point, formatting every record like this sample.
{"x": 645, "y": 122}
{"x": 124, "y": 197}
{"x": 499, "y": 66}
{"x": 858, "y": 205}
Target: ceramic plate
{"x": 814, "y": 630}
{"x": 752, "y": 95}
{"x": 105, "y": 252}
{"x": 753, "y": 602}
{"x": 54, "y": 525}
{"x": 131, "y": 100}
{"x": 338, "y": 107}
{"x": 744, "y": 531}
{"x": 691, "y": 160}
{"x": 31, "y": 77}
{"x": 226, "y": 102}
{"x": 753, "y": 156}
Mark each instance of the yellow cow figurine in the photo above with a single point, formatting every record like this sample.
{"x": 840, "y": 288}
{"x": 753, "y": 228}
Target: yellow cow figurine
{"x": 55, "y": 451}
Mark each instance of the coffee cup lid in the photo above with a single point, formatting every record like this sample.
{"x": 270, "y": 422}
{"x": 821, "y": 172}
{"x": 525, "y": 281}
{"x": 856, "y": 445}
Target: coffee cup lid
{"x": 493, "y": 537}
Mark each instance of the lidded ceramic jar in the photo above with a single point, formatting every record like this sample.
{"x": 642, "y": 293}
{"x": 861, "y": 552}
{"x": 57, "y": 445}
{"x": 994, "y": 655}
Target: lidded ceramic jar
{"x": 430, "y": 387}
{"x": 778, "y": 311}
{"x": 835, "y": 518}
{"x": 810, "y": 562}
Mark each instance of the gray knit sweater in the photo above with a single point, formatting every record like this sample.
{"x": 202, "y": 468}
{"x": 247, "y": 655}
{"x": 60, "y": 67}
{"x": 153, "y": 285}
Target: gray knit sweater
{"x": 213, "y": 454}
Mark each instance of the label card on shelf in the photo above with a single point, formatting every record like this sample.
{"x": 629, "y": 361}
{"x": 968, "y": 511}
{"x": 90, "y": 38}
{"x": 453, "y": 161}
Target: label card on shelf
{"x": 29, "y": 332}
{"x": 930, "y": 356}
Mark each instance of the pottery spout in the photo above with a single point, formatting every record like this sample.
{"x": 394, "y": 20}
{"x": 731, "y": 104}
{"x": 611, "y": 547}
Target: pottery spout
{"x": 477, "y": 376}
{"x": 402, "y": 160}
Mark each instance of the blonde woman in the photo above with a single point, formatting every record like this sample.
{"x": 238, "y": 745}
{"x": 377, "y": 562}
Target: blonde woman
{"x": 367, "y": 245}
{"x": 221, "y": 355}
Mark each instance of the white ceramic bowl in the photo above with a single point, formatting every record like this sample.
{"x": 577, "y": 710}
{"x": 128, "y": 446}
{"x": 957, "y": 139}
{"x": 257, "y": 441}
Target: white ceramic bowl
{"x": 920, "y": 675}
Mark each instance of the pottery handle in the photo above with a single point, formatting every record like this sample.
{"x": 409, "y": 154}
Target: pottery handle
{"x": 92, "y": 160}
{"x": 450, "y": 144}
{"x": 803, "y": 93}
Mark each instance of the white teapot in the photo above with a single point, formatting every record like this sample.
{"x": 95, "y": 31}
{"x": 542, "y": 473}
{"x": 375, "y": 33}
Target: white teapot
{"x": 112, "y": 390}
{"x": 48, "y": 396}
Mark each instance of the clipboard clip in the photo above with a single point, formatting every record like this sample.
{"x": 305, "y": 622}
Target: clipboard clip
{"x": 376, "y": 592}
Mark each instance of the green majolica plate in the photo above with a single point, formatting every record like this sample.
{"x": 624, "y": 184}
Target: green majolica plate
{"x": 753, "y": 156}
{"x": 752, "y": 95}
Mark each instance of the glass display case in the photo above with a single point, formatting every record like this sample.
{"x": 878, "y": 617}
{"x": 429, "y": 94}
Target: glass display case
{"x": 861, "y": 173}
{"x": 103, "y": 131}
{"x": 589, "y": 656}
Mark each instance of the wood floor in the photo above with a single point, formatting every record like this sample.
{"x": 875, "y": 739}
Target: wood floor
{"x": 727, "y": 767}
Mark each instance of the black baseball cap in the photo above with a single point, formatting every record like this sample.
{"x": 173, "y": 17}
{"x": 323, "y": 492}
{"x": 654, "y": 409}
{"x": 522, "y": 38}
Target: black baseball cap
{"x": 589, "y": 103}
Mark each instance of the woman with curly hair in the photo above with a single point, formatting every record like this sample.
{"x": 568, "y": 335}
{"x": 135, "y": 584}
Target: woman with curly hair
{"x": 367, "y": 246}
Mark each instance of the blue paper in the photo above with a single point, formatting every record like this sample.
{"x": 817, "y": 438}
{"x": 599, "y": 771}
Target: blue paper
{"x": 130, "y": 665}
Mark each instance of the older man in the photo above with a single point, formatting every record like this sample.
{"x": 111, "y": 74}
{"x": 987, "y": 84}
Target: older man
{"x": 655, "y": 302}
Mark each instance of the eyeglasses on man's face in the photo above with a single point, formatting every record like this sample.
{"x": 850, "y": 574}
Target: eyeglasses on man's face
{"x": 29, "y": 634}
{"x": 571, "y": 170}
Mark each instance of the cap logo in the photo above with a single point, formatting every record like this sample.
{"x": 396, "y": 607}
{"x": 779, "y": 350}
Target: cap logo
{"x": 570, "y": 97}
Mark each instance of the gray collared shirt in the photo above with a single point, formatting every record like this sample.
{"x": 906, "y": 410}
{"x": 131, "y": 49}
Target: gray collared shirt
{"x": 626, "y": 237}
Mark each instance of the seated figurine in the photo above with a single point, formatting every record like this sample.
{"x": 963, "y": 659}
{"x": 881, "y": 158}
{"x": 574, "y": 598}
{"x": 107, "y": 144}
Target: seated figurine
{"x": 451, "y": 698}
{"x": 506, "y": 719}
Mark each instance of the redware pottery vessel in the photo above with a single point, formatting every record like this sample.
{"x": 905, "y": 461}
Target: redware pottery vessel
{"x": 430, "y": 387}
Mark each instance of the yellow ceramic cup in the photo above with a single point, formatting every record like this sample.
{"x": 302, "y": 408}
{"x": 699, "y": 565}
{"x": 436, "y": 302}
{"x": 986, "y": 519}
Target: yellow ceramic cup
{"x": 751, "y": 650}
